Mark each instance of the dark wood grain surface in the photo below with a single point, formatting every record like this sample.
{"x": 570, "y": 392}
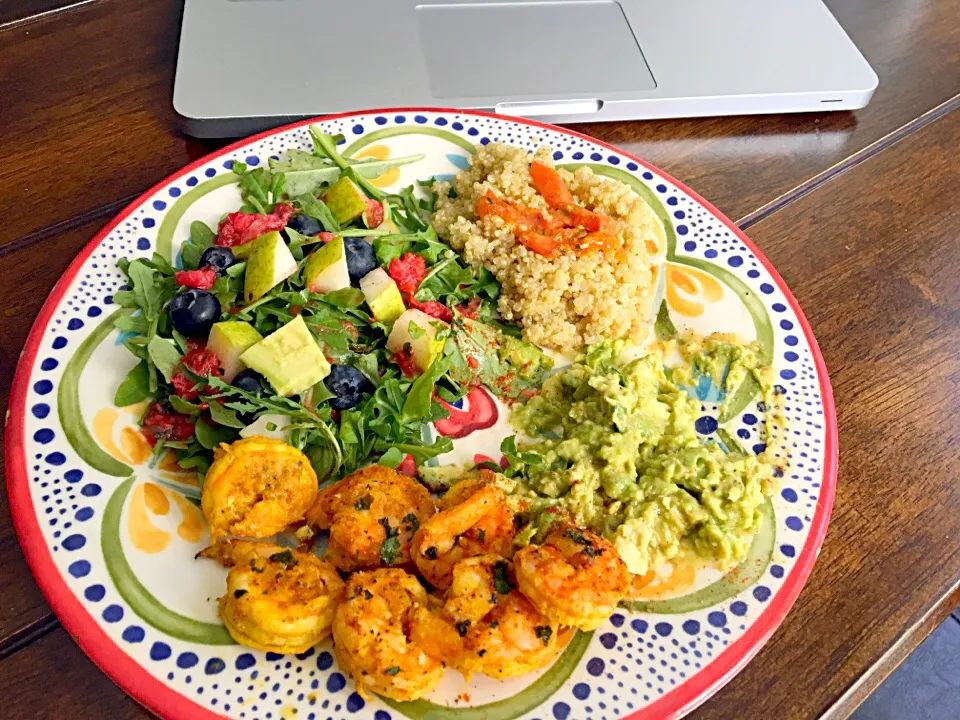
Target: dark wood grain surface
{"x": 859, "y": 211}
{"x": 93, "y": 87}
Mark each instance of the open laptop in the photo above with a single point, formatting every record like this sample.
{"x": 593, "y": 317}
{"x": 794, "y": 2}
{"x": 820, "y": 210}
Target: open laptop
{"x": 246, "y": 65}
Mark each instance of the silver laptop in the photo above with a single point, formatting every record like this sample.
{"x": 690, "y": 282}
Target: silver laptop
{"x": 246, "y": 65}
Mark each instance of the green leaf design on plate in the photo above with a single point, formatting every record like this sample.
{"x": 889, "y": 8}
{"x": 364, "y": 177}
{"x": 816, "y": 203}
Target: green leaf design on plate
{"x": 512, "y": 707}
{"x": 69, "y": 410}
{"x": 747, "y": 573}
{"x": 378, "y": 135}
{"x": 176, "y": 211}
{"x": 761, "y": 320}
{"x": 140, "y": 600}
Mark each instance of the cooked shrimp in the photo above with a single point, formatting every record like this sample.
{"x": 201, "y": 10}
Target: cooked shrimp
{"x": 371, "y": 515}
{"x": 256, "y": 487}
{"x": 277, "y": 599}
{"x": 575, "y": 578}
{"x": 376, "y": 632}
{"x": 502, "y": 634}
{"x": 474, "y": 519}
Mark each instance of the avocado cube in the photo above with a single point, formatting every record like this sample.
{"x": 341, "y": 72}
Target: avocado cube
{"x": 289, "y": 359}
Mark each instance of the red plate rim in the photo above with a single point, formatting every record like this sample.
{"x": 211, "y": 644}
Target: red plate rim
{"x": 167, "y": 703}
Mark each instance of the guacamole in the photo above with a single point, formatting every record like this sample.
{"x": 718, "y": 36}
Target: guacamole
{"x": 616, "y": 446}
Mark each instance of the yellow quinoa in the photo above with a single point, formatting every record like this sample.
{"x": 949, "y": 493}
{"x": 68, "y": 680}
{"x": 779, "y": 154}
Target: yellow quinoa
{"x": 570, "y": 300}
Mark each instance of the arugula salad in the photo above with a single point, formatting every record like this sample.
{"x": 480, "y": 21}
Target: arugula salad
{"x": 324, "y": 312}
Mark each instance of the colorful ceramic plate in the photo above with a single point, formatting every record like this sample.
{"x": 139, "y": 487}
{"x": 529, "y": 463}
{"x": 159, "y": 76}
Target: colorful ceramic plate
{"x": 111, "y": 539}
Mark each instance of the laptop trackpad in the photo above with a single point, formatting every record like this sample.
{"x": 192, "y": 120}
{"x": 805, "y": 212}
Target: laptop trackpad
{"x": 524, "y": 49}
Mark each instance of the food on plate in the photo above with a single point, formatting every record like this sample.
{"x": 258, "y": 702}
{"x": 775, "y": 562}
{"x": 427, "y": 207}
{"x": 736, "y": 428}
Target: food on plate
{"x": 474, "y": 519}
{"x": 371, "y": 515}
{"x": 289, "y": 359}
{"x": 501, "y": 633}
{"x": 624, "y": 456}
{"x": 256, "y": 487}
{"x": 277, "y": 599}
{"x": 572, "y": 251}
{"x": 318, "y": 352}
{"x": 575, "y": 577}
{"x": 374, "y": 631}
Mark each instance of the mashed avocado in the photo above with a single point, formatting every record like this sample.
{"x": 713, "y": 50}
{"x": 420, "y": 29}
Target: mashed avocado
{"x": 617, "y": 448}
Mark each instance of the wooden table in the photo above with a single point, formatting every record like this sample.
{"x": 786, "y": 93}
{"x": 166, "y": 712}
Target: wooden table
{"x": 860, "y": 213}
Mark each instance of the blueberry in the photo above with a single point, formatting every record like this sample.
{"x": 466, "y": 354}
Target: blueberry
{"x": 347, "y": 384}
{"x": 219, "y": 258}
{"x": 249, "y": 381}
{"x": 361, "y": 258}
{"x": 193, "y": 312}
{"x": 304, "y": 224}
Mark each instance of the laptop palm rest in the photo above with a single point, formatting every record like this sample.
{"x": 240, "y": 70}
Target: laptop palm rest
{"x": 571, "y": 53}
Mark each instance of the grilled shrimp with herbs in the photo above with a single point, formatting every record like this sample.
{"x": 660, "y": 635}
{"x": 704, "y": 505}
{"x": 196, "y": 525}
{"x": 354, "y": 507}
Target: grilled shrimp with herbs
{"x": 277, "y": 599}
{"x": 474, "y": 519}
{"x": 575, "y": 578}
{"x": 372, "y": 515}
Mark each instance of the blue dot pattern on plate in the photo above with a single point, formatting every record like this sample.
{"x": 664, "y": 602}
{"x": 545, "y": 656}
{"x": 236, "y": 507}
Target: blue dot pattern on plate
{"x": 630, "y": 662}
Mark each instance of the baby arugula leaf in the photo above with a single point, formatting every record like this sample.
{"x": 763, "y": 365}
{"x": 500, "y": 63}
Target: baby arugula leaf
{"x": 164, "y": 355}
{"x": 318, "y": 210}
{"x": 135, "y": 386}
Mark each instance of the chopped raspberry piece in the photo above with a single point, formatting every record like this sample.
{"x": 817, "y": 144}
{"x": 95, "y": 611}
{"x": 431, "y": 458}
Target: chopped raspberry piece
{"x": 470, "y": 309}
{"x": 326, "y": 236}
{"x": 408, "y": 466}
{"x": 431, "y": 308}
{"x": 404, "y": 360}
{"x": 160, "y": 423}
{"x": 408, "y": 272}
{"x": 201, "y": 279}
{"x": 373, "y": 215}
{"x": 240, "y": 228}
{"x": 201, "y": 362}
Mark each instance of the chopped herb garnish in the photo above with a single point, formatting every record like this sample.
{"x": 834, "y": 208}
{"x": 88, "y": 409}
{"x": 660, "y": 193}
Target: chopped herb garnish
{"x": 367, "y": 595}
{"x": 390, "y": 548}
{"x": 481, "y": 535}
{"x": 412, "y": 521}
{"x": 576, "y": 536}
{"x": 494, "y": 624}
{"x": 431, "y": 552}
{"x": 239, "y": 593}
{"x": 462, "y": 628}
{"x": 544, "y": 632}
{"x": 364, "y": 503}
{"x": 481, "y": 653}
{"x": 392, "y": 670}
{"x": 286, "y": 558}
{"x": 591, "y": 551}
{"x": 501, "y": 578}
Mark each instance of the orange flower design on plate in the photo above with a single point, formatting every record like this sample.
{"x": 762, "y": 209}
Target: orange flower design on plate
{"x": 690, "y": 290}
{"x": 379, "y": 152}
{"x": 116, "y": 431}
{"x": 149, "y": 500}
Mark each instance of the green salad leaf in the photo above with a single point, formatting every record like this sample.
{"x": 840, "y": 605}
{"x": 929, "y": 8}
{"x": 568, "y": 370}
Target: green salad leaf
{"x": 164, "y": 355}
{"x": 135, "y": 386}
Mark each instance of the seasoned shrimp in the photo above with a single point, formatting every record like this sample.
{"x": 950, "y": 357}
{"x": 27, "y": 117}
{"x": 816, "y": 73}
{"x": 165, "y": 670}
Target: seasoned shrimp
{"x": 277, "y": 600}
{"x": 474, "y": 519}
{"x": 501, "y": 633}
{"x": 372, "y": 515}
{"x": 256, "y": 487}
{"x": 576, "y": 578}
{"x": 376, "y": 632}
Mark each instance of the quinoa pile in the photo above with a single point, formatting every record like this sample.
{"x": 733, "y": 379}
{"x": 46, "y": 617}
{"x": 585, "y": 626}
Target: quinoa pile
{"x": 572, "y": 299}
